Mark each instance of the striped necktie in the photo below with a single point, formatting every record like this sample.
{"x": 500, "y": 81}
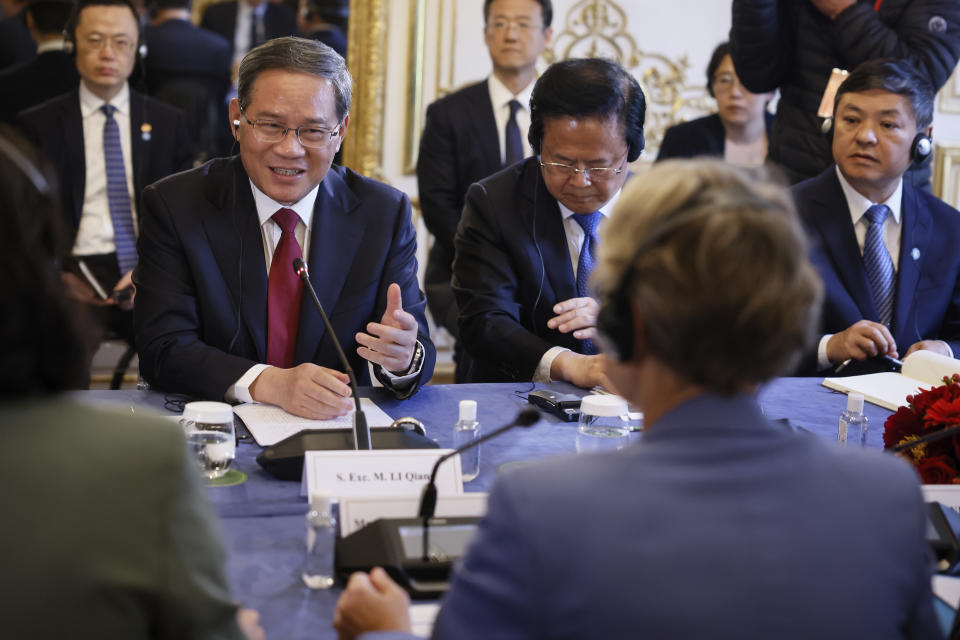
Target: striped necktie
{"x": 877, "y": 262}
{"x": 588, "y": 259}
{"x": 124, "y": 236}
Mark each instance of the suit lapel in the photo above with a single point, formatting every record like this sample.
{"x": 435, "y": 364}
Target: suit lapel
{"x": 334, "y": 239}
{"x": 831, "y": 216}
{"x": 234, "y": 213}
{"x": 915, "y": 233}
{"x": 551, "y": 237}
{"x": 485, "y": 125}
{"x": 139, "y": 147}
{"x": 72, "y": 134}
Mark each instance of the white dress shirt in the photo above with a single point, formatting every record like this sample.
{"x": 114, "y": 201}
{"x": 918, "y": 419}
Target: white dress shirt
{"x": 500, "y": 97}
{"x": 575, "y": 237}
{"x": 270, "y": 232}
{"x": 241, "y": 34}
{"x": 95, "y": 233}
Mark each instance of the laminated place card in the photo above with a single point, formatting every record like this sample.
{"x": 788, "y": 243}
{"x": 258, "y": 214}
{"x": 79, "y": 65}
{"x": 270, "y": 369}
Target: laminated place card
{"x": 379, "y": 472}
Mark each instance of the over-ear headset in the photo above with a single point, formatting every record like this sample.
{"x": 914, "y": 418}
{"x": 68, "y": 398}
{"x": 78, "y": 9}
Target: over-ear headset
{"x": 70, "y": 31}
{"x": 920, "y": 148}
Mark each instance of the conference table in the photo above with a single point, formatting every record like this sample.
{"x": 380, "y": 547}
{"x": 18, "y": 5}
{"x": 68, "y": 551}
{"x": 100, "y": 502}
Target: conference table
{"x": 263, "y": 518}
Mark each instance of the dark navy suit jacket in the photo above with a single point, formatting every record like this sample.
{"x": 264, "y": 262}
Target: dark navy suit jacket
{"x": 221, "y": 17}
{"x": 202, "y": 273}
{"x": 927, "y": 301}
{"x": 717, "y": 524}
{"x": 459, "y": 146}
{"x": 701, "y": 137}
{"x": 56, "y": 127}
{"x": 512, "y": 266}
{"x": 26, "y": 85}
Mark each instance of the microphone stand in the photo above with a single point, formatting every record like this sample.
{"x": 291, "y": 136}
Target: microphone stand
{"x": 428, "y": 500}
{"x": 361, "y": 432}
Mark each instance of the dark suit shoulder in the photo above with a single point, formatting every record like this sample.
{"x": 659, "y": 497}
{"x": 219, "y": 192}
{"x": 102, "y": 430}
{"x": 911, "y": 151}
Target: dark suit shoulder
{"x": 463, "y": 97}
{"x": 701, "y": 137}
{"x": 51, "y": 107}
{"x": 505, "y": 187}
{"x": 368, "y": 188}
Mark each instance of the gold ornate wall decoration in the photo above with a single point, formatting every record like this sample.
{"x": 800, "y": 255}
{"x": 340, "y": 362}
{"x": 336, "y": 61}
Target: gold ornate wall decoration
{"x": 415, "y": 65}
{"x": 946, "y": 173}
{"x": 950, "y": 93}
{"x": 366, "y": 51}
{"x": 598, "y": 28}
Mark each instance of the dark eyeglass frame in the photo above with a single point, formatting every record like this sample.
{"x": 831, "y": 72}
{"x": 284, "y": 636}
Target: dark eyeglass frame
{"x": 263, "y": 134}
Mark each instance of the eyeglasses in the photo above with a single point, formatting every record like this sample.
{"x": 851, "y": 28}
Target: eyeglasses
{"x": 522, "y": 26}
{"x": 120, "y": 44}
{"x": 593, "y": 174}
{"x": 273, "y": 132}
{"x": 723, "y": 82}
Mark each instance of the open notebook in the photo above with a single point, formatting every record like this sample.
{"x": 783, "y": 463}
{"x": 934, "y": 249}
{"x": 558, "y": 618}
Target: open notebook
{"x": 890, "y": 390}
{"x": 269, "y": 424}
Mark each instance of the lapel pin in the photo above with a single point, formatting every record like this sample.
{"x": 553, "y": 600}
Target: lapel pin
{"x": 146, "y": 128}
{"x": 915, "y": 253}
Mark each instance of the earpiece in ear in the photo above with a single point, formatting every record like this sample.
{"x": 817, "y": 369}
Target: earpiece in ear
{"x": 236, "y": 125}
{"x": 826, "y": 127}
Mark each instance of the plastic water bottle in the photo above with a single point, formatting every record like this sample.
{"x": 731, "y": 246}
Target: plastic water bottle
{"x": 853, "y": 424}
{"x": 318, "y": 562}
{"x": 467, "y": 430}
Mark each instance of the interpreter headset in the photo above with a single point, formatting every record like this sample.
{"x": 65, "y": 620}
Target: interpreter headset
{"x": 920, "y": 148}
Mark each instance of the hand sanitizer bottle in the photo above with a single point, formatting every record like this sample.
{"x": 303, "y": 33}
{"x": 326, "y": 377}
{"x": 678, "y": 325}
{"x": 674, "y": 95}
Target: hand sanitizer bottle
{"x": 467, "y": 430}
{"x": 853, "y": 424}
{"x": 318, "y": 562}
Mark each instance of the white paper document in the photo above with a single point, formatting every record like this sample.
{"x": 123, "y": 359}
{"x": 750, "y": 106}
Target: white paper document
{"x": 422, "y": 617}
{"x": 269, "y": 424}
{"x": 921, "y": 369}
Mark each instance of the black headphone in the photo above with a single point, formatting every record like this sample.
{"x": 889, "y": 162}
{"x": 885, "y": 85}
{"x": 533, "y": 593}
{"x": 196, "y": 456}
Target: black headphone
{"x": 920, "y": 148}
{"x": 70, "y": 30}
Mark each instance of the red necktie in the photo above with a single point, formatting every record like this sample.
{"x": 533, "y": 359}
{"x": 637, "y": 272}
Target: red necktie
{"x": 283, "y": 293}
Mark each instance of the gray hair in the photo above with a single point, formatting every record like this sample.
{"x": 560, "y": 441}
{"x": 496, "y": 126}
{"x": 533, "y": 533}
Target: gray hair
{"x": 298, "y": 55}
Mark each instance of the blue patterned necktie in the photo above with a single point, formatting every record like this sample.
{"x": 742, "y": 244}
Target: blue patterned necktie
{"x": 877, "y": 262}
{"x": 514, "y": 144}
{"x": 588, "y": 259}
{"x": 124, "y": 237}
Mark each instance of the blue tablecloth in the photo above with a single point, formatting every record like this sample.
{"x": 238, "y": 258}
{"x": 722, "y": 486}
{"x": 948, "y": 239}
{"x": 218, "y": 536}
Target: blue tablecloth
{"x": 263, "y": 518}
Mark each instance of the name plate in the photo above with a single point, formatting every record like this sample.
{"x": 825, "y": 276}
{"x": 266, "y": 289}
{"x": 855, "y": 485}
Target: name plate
{"x": 386, "y": 472}
{"x": 357, "y": 512}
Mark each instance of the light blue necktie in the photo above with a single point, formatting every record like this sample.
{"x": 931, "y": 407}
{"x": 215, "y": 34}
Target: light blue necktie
{"x": 118, "y": 197}
{"x": 588, "y": 259}
{"x": 877, "y": 262}
{"x": 514, "y": 145}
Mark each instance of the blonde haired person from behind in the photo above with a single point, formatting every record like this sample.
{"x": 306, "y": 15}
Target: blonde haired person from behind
{"x": 717, "y": 523}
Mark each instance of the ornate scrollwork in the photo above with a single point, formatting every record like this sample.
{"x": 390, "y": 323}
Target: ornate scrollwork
{"x": 598, "y": 28}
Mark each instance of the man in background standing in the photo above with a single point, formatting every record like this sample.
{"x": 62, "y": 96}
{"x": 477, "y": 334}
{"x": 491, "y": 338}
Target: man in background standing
{"x": 473, "y": 133}
{"x": 794, "y": 45}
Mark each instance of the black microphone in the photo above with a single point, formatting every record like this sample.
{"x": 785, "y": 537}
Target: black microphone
{"x": 930, "y": 437}
{"x": 428, "y": 501}
{"x": 361, "y": 432}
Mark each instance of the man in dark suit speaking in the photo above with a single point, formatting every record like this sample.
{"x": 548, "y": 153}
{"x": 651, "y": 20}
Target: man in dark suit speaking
{"x": 220, "y": 312}
{"x": 528, "y": 237}
{"x": 887, "y": 251}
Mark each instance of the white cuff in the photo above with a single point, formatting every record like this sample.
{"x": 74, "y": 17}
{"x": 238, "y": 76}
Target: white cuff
{"x": 822, "y": 360}
{"x": 542, "y": 373}
{"x": 947, "y": 345}
{"x": 240, "y": 390}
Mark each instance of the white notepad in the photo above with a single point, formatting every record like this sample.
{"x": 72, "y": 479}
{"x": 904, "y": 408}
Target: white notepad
{"x": 921, "y": 369}
{"x": 269, "y": 424}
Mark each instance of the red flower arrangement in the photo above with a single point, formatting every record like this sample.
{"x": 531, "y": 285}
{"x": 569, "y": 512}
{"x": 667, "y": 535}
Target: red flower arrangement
{"x": 928, "y": 411}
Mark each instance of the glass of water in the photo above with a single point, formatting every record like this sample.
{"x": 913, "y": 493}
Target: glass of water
{"x": 210, "y": 436}
{"x": 604, "y": 424}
